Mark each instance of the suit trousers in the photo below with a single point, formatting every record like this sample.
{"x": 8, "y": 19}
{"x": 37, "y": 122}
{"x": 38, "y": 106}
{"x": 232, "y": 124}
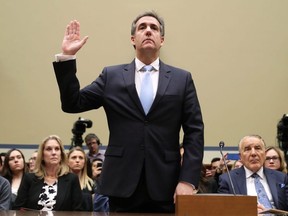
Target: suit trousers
{"x": 140, "y": 201}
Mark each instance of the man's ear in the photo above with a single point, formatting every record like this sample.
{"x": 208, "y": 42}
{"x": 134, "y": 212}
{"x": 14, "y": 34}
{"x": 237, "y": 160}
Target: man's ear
{"x": 132, "y": 40}
{"x": 162, "y": 41}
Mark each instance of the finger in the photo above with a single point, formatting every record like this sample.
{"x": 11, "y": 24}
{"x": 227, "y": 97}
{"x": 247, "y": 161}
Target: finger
{"x": 71, "y": 28}
{"x": 75, "y": 27}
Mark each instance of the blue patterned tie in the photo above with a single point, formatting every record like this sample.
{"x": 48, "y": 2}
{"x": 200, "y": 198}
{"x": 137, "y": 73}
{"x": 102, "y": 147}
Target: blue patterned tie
{"x": 261, "y": 194}
{"x": 146, "y": 92}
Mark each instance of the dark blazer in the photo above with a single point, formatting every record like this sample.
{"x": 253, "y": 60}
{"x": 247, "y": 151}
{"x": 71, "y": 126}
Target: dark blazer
{"x": 138, "y": 141}
{"x": 276, "y": 180}
{"x": 69, "y": 195}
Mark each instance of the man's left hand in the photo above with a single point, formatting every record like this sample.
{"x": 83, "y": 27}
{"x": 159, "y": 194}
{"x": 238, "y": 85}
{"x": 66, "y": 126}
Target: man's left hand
{"x": 184, "y": 188}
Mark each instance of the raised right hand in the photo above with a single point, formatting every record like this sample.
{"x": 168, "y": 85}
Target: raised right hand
{"x": 71, "y": 41}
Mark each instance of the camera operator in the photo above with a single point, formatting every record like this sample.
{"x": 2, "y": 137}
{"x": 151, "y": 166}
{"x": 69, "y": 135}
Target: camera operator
{"x": 93, "y": 144}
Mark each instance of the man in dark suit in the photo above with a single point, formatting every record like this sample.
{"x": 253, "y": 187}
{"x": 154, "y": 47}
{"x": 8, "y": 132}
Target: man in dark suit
{"x": 252, "y": 154}
{"x": 142, "y": 170}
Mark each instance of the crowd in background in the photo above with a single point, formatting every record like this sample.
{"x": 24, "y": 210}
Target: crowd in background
{"x": 35, "y": 184}
{"x": 53, "y": 179}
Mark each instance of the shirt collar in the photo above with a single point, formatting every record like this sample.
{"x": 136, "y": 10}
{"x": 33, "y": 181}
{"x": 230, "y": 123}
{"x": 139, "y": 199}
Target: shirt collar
{"x": 249, "y": 173}
{"x": 139, "y": 65}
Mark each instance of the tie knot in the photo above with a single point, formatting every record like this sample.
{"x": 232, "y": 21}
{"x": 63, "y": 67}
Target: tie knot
{"x": 255, "y": 175}
{"x": 147, "y": 68}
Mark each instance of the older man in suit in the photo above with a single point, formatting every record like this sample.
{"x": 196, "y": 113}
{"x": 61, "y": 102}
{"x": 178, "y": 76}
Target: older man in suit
{"x": 272, "y": 192}
{"x": 142, "y": 170}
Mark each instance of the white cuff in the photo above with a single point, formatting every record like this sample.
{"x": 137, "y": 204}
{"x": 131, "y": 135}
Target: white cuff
{"x": 60, "y": 57}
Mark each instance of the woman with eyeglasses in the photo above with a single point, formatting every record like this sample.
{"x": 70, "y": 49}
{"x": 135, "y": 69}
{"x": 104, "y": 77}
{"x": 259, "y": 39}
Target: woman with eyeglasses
{"x": 275, "y": 159}
{"x": 32, "y": 161}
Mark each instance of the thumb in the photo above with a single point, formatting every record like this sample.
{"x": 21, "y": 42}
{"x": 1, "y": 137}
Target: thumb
{"x": 83, "y": 41}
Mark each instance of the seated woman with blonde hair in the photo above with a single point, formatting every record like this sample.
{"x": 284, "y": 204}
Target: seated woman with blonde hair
{"x": 51, "y": 187}
{"x": 77, "y": 162}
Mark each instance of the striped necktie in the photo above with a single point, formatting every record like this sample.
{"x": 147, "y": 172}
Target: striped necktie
{"x": 146, "y": 91}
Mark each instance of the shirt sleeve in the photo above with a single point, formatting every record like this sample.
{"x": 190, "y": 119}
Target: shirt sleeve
{"x": 60, "y": 57}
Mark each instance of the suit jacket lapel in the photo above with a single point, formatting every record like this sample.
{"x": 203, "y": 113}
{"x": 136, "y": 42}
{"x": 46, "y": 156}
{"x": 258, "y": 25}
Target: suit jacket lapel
{"x": 272, "y": 185}
{"x": 61, "y": 191}
{"x": 164, "y": 79}
{"x": 240, "y": 181}
{"x": 129, "y": 79}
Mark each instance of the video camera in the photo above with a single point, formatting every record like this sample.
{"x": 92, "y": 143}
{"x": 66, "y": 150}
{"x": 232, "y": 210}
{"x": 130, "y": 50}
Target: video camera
{"x": 78, "y": 129}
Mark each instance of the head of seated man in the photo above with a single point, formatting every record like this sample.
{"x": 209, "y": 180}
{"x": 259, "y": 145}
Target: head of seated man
{"x": 252, "y": 152}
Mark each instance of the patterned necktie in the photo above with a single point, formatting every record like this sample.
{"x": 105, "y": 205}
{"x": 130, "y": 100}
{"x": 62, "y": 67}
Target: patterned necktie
{"x": 146, "y": 91}
{"x": 261, "y": 194}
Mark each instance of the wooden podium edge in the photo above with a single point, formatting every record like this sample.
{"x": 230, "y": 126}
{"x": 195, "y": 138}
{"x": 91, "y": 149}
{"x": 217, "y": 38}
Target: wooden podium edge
{"x": 216, "y": 204}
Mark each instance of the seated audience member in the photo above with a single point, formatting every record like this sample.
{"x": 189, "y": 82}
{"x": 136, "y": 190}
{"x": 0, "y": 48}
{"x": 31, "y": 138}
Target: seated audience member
{"x": 93, "y": 144}
{"x": 237, "y": 164}
{"x": 100, "y": 202}
{"x": 51, "y": 187}
{"x": 215, "y": 164}
{"x": 217, "y": 168}
{"x": 32, "y": 161}
{"x": 275, "y": 159}
{"x": 5, "y": 192}
{"x": 96, "y": 170}
{"x": 77, "y": 163}
{"x": 2, "y": 156}
{"x": 13, "y": 170}
{"x": 252, "y": 176}
{"x": 206, "y": 184}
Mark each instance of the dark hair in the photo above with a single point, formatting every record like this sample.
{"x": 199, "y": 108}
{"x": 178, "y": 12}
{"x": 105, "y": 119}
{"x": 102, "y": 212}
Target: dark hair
{"x": 215, "y": 159}
{"x": 92, "y": 136}
{"x": 7, "y": 172}
{"x": 151, "y": 14}
{"x": 2, "y": 154}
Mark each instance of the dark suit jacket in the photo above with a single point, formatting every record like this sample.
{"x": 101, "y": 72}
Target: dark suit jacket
{"x": 276, "y": 180}
{"x": 136, "y": 140}
{"x": 69, "y": 195}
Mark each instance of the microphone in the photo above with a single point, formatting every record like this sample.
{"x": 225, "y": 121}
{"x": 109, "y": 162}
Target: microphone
{"x": 221, "y": 145}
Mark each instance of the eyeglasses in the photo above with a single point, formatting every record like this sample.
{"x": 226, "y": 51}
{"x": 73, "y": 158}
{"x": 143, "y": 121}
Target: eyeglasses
{"x": 274, "y": 158}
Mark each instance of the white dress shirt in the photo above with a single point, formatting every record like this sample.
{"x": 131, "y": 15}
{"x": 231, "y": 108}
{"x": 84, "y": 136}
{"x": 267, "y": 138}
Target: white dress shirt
{"x": 251, "y": 191}
{"x": 139, "y": 75}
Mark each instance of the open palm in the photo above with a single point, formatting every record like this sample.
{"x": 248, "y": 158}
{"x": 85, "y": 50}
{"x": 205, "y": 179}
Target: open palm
{"x": 72, "y": 41}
